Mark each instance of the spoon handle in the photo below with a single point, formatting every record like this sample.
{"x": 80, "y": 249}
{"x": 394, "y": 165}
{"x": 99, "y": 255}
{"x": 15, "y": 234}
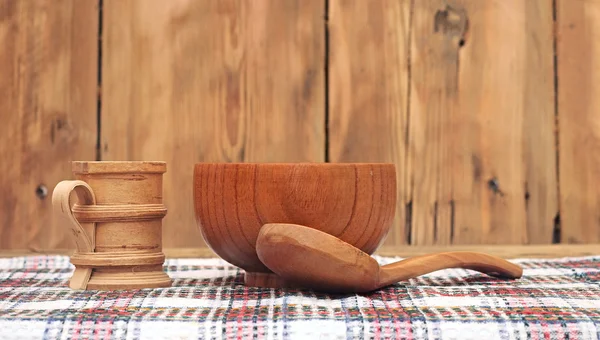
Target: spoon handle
{"x": 420, "y": 265}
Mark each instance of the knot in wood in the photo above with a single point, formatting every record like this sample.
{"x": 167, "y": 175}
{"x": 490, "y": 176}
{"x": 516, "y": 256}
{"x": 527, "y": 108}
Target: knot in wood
{"x": 451, "y": 21}
{"x": 41, "y": 191}
{"x": 494, "y": 186}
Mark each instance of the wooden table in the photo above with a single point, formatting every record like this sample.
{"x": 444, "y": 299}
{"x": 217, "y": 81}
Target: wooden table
{"x": 505, "y": 251}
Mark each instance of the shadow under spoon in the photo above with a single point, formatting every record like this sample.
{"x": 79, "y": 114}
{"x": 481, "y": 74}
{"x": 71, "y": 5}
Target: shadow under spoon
{"x": 308, "y": 258}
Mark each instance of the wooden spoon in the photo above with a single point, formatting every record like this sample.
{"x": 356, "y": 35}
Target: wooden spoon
{"x": 309, "y": 258}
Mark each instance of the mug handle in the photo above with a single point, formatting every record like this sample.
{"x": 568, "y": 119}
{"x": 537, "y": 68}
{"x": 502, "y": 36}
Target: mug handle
{"x": 84, "y": 236}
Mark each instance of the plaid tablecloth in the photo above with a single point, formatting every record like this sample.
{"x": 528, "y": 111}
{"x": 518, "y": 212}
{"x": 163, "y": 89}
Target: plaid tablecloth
{"x": 556, "y": 299}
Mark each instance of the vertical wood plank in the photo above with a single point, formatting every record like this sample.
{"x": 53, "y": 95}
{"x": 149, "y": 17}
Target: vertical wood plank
{"x": 481, "y": 139}
{"x": 368, "y": 75}
{"x": 211, "y": 81}
{"x": 48, "y": 63}
{"x": 578, "y": 56}
{"x": 539, "y": 126}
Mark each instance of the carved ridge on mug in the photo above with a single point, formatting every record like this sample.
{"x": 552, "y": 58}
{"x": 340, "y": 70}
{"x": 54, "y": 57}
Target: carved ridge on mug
{"x": 118, "y": 212}
{"x": 117, "y": 259}
{"x": 134, "y": 276}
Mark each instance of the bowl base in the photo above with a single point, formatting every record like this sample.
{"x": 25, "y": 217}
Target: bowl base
{"x": 265, "y": 280}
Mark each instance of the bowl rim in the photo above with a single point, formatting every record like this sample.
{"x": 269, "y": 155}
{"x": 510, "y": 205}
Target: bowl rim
{"x": 320, "y": 164}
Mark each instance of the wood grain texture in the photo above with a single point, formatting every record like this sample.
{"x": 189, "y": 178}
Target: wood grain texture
{"x": 539, "y": 154}
{"x": 578, "y": 56}
{"x": 203, "y": 81}
{"x": 353, "y": 202}
{"x": 502, "y": 250}
{"x": 481, "y": 134}
{"x": 48, "y": 63}
{"x": 368, "y": 90}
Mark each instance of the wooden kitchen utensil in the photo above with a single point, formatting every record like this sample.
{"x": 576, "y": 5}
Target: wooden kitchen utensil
{"x": 309, "y": 258}
{"x": 355, "y": 202}
{"x": 116, "y": 224}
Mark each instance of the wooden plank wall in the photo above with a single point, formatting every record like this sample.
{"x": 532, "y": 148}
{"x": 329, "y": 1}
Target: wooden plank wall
{"x": 487, "y": 108}
{"x": 368, "y": 45}
{"x": 48, "y": 86}
{"x": 578, "y": 79}
{"x": 472, "y": 130}
{"x": 211, "y": 81}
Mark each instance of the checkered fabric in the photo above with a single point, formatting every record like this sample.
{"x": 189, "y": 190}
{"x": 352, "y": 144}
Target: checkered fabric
{"x": 556, "y": 299}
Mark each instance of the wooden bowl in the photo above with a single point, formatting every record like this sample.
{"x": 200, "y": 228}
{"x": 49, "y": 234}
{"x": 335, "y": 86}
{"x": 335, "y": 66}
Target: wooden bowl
{"x": 355, "y": 202}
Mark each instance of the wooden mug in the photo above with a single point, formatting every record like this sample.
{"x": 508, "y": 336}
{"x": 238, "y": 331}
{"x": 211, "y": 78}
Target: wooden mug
{"x": 116, "y": 224}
